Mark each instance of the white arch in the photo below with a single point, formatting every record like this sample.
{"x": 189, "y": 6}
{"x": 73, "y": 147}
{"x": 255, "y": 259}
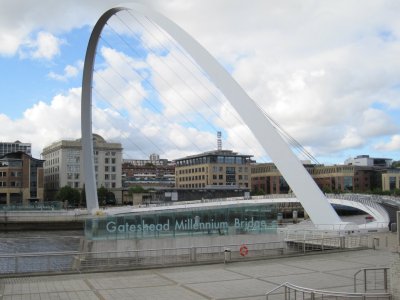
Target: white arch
{"x": 308, "y": 193}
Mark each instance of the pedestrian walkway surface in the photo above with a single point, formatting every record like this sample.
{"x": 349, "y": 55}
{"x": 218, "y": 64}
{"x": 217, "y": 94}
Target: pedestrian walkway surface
{"x": 241, "y": 280}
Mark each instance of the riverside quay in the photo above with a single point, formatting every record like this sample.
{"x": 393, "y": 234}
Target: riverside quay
{"x": 232, "y": 220}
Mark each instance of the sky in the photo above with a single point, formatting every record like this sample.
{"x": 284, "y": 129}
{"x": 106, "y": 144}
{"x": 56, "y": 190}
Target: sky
{"x": 327, "y": 71}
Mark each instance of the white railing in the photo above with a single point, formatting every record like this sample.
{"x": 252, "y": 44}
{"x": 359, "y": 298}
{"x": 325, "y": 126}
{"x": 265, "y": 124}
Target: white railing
{"x": 373, "y": 279}
{"x": 27, "y": 263}
{"x": 291, "y": 291}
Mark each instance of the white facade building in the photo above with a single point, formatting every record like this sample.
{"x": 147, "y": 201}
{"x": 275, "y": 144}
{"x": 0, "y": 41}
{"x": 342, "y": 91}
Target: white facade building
{"x": 63, "y": 164}
{"x": 366, "y": 161}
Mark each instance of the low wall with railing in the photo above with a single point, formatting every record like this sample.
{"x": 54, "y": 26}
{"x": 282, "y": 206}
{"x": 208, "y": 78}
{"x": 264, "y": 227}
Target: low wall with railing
{"x": 288, "y": 291}
{"x": 64, "y": 262}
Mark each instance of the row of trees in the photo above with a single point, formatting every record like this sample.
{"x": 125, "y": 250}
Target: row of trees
{"x": 77, "y": 198}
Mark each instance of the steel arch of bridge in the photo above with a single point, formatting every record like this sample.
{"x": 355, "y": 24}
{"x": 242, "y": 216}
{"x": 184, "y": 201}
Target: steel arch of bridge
{"x": 306, "y": 190}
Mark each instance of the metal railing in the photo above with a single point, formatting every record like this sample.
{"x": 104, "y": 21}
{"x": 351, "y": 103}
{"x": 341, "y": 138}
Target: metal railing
{"x": 309, "y": 232}
{"x": 378, "y": 277}
{"x": 291, "y": 291}
{"x": 57, "y": 262}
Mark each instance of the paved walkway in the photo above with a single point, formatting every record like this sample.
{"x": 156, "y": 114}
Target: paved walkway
{"x": 242, "y": 280}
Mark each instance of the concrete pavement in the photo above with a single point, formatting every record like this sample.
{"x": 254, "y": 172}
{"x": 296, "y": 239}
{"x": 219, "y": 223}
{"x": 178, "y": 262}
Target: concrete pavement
{"x": 242, "y": 280}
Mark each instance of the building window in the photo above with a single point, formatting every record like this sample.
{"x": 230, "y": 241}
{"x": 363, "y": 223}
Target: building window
{"x": 348, "y": 183}
{"x": 392, "y": 183}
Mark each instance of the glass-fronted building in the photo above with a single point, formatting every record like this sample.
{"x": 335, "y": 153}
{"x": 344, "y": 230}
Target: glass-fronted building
{"x": 223, "y": 168}
{"x": 17, "y": 146}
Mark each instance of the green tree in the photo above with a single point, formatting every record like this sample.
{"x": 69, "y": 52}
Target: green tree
{"x": 83, "y": 197}
{"x": 257, "y": 192}
{"x": 396, "y": 192}
{"x": 396, "y": 164}
{"x": 136, "y": 189}
{"x": 102, "y": 195}
{"x": 69, "y": 194}
{"x": 326, "y": 190}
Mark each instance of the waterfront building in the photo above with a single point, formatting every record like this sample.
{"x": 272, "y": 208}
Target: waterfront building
{"x": 266, "y": 178}
{"x": 21, "y": 179}
{"x": 222, "y": 168}
{"x": 63, "y": 164}
{"x": 366, "y": 161}
{"x": 391, "y": 179}
{"x": 346, "y": 178}
{"x": 10, "y": 147}
{"x": 338, "y": 178}
{"x": 149, "y": 173}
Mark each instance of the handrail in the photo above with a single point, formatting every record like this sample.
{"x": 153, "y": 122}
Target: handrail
{"x": 276, "y": 288}
{"x": 365, "y": 275}
{"x": 23, "y": 263}
{"x": 38, "y": 254}
{"x": 55, "y": 253}
{"x": 314, "y": 292}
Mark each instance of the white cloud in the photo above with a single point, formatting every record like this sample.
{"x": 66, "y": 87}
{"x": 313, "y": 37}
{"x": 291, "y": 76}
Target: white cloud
{"x": 18, "y": 19}
{"x": 43, "y": 124}
{"x": 316, "y": 68}
{"x": 70, "y": 71}
{"x": 392, "y": 145}
{"x": 46, "y": 46}
{"x": 9, "y": 42}
{"x": 377, "y": 123}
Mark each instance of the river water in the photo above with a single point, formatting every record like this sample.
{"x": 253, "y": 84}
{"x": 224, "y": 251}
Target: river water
{"x": 13, "y": 244}
{"x": 39, "y": 241}
{"x": 66, "y": 240}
